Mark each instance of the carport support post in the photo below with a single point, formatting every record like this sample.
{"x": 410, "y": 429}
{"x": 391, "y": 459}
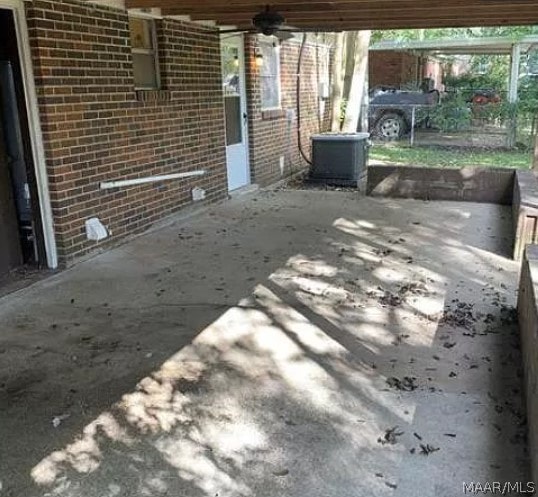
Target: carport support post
{"x": 535, "y": 157}
{"x": 413, "y": 122}
{"x": 512, "y": 92}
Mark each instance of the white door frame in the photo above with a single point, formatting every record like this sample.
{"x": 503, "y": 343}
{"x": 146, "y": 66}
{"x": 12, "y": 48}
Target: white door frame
{"x": 36, "y": 136}
{"x": 239, "y": 41}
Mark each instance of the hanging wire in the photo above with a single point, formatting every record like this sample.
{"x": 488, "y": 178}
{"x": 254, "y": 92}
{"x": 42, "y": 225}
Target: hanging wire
{"x": 298, "y": 100}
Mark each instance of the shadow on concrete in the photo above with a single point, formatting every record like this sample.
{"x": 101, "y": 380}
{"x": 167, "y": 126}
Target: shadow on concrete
{"x": 247, "y": 353}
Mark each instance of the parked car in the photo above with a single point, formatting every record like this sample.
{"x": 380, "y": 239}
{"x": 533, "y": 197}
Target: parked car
{"x": 391, "y": 110}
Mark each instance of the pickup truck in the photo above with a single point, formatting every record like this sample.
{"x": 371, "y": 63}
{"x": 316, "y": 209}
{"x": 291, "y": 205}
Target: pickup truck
{"x": 391, "y": 110}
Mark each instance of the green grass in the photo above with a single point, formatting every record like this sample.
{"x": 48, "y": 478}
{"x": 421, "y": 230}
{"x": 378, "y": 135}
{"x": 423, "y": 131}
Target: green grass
{"x": 399, "y": 154}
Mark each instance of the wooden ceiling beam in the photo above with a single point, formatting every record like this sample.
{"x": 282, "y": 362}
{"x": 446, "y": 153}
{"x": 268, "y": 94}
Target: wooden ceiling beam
{"x": 357, "y": 14}
{"x": 187, "y": 9}
{"x": 345, "y": 6}
{"x": 357, "y": 25}
{"x": 280, "y": 4}
{"x": 396, "y": 14}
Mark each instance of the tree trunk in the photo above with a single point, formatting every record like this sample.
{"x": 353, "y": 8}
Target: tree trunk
{"x": 349, "y": 60}
{"x": 358, "y": 82}
{"x": 363, "y": 117}
{"x": 338, "y": 83}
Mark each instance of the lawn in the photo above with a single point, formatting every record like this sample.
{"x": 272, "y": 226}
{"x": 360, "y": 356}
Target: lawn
{"x": 403, "y": 154}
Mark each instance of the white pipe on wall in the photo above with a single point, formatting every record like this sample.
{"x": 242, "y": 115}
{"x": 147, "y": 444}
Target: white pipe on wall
{"x": 106, "y": 185}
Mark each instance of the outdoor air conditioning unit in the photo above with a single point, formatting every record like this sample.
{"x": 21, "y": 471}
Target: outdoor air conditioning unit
{"x": 339, "y": 158}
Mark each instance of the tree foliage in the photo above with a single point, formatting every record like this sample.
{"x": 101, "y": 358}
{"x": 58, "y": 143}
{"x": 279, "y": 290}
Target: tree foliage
{"x": 498, "y": 66}
{"x": 485, "y": 72}
{"x": 430, "y": 34}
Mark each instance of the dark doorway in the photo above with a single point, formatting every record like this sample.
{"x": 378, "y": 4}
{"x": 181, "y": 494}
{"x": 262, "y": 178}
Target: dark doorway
{"x": 21, "y": 240}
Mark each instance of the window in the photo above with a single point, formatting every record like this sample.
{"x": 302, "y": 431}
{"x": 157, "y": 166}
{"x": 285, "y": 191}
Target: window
{"x": 232, "y": 92}
{"x": 270, "y": 75}
{"x": 144, "y": 47}
{"x": 323, "y": 66}
{"x": 324, "y": 72}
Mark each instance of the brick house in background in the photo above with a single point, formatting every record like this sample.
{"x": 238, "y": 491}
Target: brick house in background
{"x": 122, "y": 115}
{"x": 401, "y": 69}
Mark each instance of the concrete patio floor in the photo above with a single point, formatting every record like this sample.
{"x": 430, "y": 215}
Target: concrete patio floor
{"x": 263, "y": 348}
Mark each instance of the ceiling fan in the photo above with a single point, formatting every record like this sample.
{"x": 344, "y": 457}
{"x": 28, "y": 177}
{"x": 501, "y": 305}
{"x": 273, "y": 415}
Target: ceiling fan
{"x": 268, "y": 22}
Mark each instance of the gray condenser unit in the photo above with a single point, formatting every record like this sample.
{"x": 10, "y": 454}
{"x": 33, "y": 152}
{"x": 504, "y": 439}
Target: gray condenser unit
{"x": 339, "y": 157}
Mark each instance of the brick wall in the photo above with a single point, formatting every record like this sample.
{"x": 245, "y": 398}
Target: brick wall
{"x": 273, "y": 134}
{"x": 434, "y": 69}
{"x": 391, "y": 68}
{"x": 95, "y": 128}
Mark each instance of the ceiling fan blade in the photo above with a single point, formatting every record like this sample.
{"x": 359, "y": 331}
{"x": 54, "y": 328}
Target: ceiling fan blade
{"x": 284, "y": 34}
{"x": 269, "y": 22}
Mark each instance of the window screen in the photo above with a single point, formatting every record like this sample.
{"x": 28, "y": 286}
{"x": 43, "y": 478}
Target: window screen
{"x": 144, "y": 48}
{"x": 270, "y": 75}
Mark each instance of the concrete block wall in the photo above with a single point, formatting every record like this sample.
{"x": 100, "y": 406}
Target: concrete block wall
{"x": 429, "y": 183}
{"x": 492, "y": 185}
{"x": 97, "y": 128}
{"x": 525, "y": 212}
{"x": 528, "y": 324}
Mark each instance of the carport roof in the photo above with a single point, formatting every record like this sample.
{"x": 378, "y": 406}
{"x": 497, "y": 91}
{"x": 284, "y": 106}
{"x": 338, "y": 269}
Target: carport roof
{"x": 323, "y": 15}
{"x": 461, "y": 46}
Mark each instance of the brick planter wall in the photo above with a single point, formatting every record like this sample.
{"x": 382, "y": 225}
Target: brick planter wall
{"x": 97, "y": 128}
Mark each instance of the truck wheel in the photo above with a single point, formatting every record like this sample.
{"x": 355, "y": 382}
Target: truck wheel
{"x": 390, "y": 126}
